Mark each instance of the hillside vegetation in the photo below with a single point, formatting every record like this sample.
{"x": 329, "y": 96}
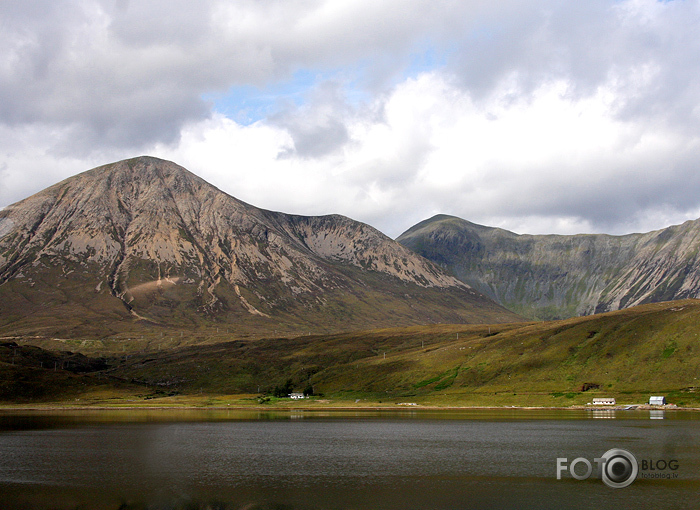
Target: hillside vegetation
{"x": 628, "y": 354}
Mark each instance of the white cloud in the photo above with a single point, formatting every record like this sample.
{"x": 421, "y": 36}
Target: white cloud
{"x": 545, "y": 117}
{"x": 550, "y": 162}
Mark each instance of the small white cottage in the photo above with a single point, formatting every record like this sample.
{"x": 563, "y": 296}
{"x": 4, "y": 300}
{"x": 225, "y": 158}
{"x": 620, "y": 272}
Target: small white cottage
{"x": 657, "y": 401}
{"x": 606, "y": 401}
{"x": 296, "y": 395}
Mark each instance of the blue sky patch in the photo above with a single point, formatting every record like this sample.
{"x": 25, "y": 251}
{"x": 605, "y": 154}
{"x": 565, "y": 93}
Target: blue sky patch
{"x": 248, "y": 104}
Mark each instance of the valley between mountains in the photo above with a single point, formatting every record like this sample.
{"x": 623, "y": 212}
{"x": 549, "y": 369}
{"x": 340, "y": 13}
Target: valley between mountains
{"x": 138, "y": 283}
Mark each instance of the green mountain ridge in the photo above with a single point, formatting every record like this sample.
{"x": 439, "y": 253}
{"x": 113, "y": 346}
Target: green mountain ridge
{"x": 559, "y": 276}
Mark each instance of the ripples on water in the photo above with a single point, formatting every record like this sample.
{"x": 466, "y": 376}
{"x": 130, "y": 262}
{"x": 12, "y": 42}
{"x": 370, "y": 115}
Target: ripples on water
{"x": 314, "y": 460}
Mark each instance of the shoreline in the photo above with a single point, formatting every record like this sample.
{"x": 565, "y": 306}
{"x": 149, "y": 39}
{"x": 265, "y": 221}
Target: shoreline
{"x": 397, "y": 407}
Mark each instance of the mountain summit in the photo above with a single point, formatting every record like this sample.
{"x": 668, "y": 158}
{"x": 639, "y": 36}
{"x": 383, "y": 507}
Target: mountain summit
{"x": 146, "y": 240}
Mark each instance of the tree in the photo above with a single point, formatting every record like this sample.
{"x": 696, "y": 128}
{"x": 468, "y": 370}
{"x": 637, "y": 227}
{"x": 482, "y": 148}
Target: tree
{"x": 283, "y": 391}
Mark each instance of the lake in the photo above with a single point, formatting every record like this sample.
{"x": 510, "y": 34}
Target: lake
{"x": 365, "y": 459}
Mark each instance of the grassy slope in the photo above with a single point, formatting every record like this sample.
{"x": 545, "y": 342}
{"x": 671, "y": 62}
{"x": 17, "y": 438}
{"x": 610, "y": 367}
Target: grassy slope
{"x": 628, "y": 354}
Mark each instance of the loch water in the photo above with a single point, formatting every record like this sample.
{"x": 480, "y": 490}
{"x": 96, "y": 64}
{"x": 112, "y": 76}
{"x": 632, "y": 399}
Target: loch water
{"x": 358, "y": 459}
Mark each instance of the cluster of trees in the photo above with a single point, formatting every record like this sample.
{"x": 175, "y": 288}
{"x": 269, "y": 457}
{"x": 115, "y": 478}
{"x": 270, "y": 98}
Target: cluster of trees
{"x": 287, "y": 388}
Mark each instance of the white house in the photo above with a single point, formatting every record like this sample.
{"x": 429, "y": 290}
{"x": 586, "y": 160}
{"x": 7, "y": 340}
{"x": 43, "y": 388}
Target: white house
{"x": 296, "y": 395}
{"x": 607, "y": 401}
{"x": 657, "y": 401}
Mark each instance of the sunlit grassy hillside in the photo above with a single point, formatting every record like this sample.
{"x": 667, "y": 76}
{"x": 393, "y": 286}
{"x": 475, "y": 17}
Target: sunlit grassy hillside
{"x": 629, "y": 354}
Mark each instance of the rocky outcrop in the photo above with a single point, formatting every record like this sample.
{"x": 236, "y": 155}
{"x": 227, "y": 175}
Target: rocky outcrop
{"x": 167, "y": 245}
{"x": 556, "y": 276}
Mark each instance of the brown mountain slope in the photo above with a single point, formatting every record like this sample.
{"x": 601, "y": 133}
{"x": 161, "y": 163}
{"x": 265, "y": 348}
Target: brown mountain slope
{"x": 144, "y": 241}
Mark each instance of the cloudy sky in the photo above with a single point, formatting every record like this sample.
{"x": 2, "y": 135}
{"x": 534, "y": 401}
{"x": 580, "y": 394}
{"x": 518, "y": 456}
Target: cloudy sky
{"x": 544, "y": 116}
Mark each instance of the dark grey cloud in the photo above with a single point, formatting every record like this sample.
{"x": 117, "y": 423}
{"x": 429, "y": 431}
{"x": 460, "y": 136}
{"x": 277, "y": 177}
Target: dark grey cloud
{"x": 134, "y": 72}
{"x": 128, "y": 74}
{"x": 614, "y": 199}
{"x": 63, "y": 67}
{"x": 95, "y": 62}
{"x": 647, "y": 47}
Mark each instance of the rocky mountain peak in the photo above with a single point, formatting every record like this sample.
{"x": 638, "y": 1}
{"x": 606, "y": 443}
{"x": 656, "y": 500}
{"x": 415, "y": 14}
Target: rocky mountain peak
{"x": 159, "y": 239}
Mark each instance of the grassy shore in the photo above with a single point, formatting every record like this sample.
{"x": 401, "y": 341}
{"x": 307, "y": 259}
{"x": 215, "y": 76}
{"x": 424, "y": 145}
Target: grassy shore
{"x": 262, "y": 404}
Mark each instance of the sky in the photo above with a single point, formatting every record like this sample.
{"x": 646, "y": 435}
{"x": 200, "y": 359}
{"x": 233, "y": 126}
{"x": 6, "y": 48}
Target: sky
{"x": 537, "y": 116}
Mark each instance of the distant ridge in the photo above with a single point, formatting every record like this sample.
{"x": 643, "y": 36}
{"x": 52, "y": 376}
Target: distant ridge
{"x": 559, "y": 276}
{"x": 146, "y": 241}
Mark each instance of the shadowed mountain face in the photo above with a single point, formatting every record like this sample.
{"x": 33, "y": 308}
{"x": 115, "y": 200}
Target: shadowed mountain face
{"x": 556, "y": 276}
{"x": 146, "y": 240}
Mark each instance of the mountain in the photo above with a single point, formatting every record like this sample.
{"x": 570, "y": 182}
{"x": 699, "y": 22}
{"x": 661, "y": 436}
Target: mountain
{"x": 558, "y": 276}
{"x": 144, "y": 243}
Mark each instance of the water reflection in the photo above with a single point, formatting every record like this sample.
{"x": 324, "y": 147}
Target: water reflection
{"x": 17, "y": 420}
{"x": 603, "y": 413}
{"x": 335, "y": 459}
{"x": 656, "y": 415}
